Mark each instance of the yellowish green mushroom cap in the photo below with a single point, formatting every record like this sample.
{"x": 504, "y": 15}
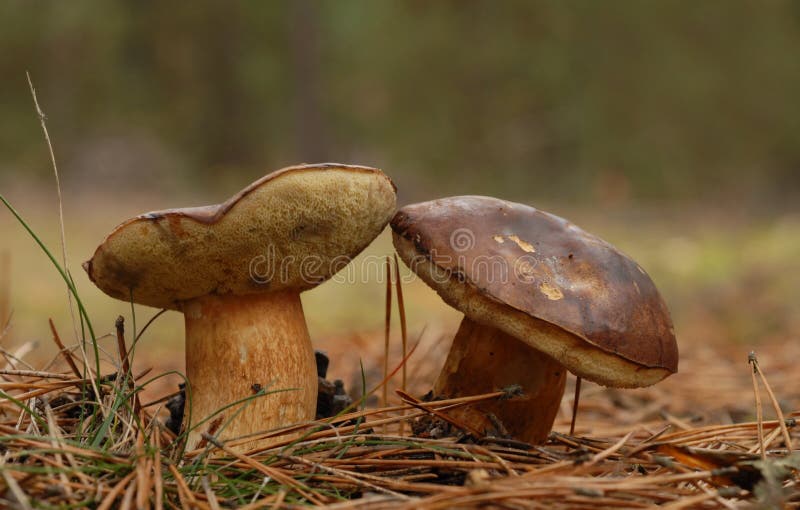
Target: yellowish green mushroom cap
{"x": 289, "y": 230}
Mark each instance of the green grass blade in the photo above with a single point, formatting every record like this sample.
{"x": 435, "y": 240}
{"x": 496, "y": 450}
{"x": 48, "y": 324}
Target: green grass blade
{"x": 64, "y": 275}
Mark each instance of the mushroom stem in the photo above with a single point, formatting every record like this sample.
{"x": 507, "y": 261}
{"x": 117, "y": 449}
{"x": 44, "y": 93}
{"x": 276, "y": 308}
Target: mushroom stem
{"x": 239, "y": 345}
{"x": 483, "y": 359}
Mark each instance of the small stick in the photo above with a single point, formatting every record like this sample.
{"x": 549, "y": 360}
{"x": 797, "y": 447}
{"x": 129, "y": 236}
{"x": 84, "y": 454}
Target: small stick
{"x": 126, "y": 368}
{"x": 17, "y": 491}
{"x": 38, "y": 373}
{"x": 64, "y": 351}
{"x": 767, "y": 440}
{"x": 113, "y": 493}
{"x": 751, "y": 359}
{"x": 403, "y": 332}
{"x": 264, "y": 483}
{"x": 279, "y": 499}
{"x": 69, "y": 456}
{"x": 787, "y": 438}
{"x": 123, "y": 351}
{"x": 689, "y": 501}
{"x": 13, "y": 359}
{"x": 55, "y": 441}
{"x": 408, "y": 399}
{"x": 212, "y": 498}
{"x": 387, "y": 330}
{"x": 575, "y": 400}
{"x": 610, "y": 450}
{"x": 127, "y": 498}
{"x": 674, "y": 420}
{"x": 184, "y": 493}
{"x": 142, "y": 479}
{"x": 158, "y": 480}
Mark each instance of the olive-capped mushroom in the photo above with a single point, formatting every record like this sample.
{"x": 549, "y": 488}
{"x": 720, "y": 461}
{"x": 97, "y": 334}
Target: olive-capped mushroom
{"x": 540, "y": 296}
{"x": 236, "y": 271}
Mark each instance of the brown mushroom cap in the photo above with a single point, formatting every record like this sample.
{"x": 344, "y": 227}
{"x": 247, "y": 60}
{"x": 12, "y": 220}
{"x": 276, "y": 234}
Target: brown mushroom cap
{"x": 525, "y": 271}
{"x": 291, "y": 229}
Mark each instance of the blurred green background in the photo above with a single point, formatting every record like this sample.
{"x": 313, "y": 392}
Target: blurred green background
{"x": 671, "y": 129}
{"x": 623, "y": 100}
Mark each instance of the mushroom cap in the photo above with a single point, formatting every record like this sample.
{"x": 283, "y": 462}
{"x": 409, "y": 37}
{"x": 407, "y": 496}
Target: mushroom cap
{"x": 545, "y": 281}
{"x": 291, "y": 229}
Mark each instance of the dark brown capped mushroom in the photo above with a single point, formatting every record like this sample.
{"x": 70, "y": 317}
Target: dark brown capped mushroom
{"x": 539, "y": 296}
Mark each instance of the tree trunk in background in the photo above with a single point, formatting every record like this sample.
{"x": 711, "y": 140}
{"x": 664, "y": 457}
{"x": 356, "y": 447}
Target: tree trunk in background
{"x": 226, "y": 119}
{"x": 305, "y": 62}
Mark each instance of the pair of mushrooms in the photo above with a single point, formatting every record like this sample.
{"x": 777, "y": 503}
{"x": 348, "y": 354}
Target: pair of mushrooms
{"x": 540, "y": 296}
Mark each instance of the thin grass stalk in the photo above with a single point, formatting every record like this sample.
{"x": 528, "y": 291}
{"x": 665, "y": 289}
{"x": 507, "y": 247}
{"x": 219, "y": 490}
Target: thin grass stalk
{"x": 67, "y": 355}
{"x": 387, "y": 328}
{"x": 575, "y": 401}
{"x": 751, "y": 359}
{"x": 787, "y": 438}
{"x": 43, "y": 122}
{"x": 70, "y": 284}
{"x": 401, "y": 308}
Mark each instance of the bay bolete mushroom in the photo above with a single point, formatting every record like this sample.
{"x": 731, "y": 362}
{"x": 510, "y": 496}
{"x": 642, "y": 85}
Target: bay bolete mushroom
{"x": 236, "y": 271}
{"x": 540, "y": 296}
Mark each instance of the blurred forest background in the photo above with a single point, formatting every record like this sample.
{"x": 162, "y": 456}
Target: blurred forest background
{"x": 671, "y": 129}
{"x": 626, "y": 100}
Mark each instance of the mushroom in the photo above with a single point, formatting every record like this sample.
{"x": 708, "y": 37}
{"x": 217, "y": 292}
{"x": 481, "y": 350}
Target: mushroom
{"x": 540, "y": 296}
{"x": 236, "y": 271}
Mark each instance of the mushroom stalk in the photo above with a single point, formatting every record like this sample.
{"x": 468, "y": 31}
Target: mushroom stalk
{"x": 483, "y": 359}
{"x": 237, "y": 346}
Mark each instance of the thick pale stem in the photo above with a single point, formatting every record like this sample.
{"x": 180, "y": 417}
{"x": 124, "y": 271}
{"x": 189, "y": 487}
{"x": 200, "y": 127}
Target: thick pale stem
{"x": 237, "y": 345}
{"x": 484, "y": 359}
